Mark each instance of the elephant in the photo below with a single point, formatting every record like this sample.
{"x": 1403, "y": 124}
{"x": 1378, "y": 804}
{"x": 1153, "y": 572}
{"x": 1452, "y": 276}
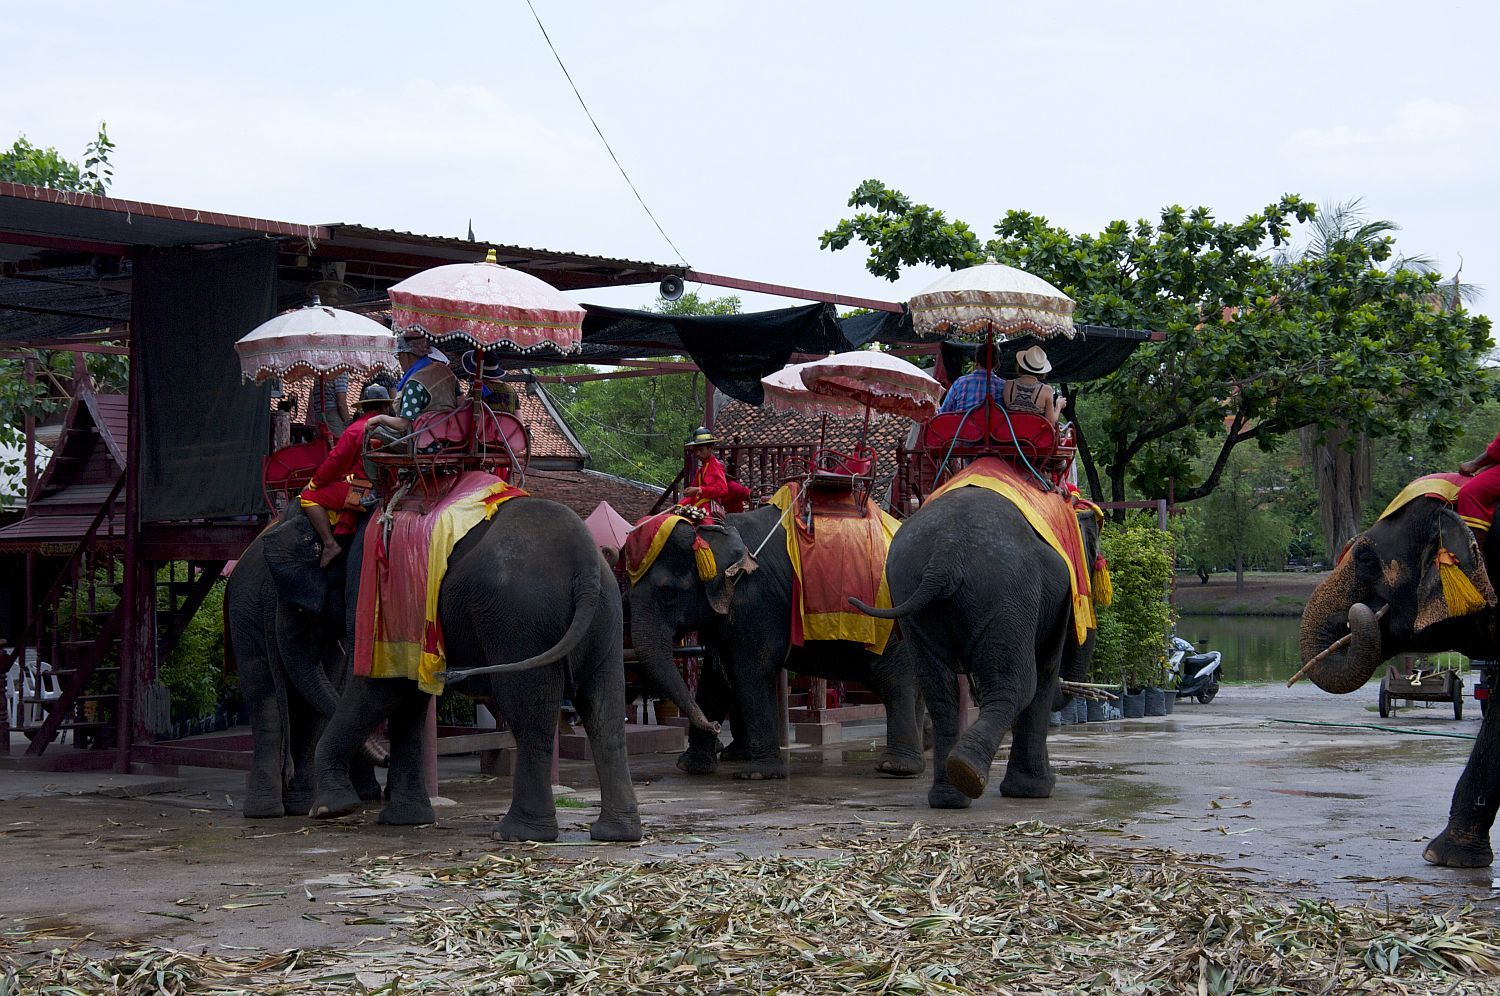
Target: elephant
{"x": 528, "y": 594}
{"x": 286, "y": 625}
{"x": 743, "y": 617}
{"x": 1386, "y": 596}
{"x": 977, "y": 590}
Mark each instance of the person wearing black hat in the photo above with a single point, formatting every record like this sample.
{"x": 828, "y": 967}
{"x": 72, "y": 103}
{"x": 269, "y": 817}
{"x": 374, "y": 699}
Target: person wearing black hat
{"x": 710, "y": 483}
{"x": 498, "y": 395}
{"x": 332, "y": 498}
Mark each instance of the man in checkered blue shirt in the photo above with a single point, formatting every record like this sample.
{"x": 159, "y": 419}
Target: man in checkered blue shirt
{"x": 969, "y": 390}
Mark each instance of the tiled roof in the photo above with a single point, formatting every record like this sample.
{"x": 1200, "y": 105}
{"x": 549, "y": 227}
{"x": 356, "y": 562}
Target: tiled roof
{"x": 583, "y": 490}
{"x": 741, "y": 424}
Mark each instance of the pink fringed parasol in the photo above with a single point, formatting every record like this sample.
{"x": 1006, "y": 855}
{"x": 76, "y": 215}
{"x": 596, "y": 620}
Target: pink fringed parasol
{"x": 785, "y": 392}
{"x": 880, "y": 381}
{"x": 487, "y": 305}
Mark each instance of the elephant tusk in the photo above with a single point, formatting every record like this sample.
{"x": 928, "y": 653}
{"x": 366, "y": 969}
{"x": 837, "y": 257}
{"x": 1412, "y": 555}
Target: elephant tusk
{"x": 1333, "y": 648}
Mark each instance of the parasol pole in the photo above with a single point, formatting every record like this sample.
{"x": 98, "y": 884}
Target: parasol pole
{"x": 476, "y": 389}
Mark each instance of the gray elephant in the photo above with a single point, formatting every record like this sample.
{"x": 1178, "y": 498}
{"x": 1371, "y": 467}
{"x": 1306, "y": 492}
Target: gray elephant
{"x": 978, "y": 590}
{"x": 1387, "y": 597}
{"x": 743, "y": 617}
{"x": 529, "y": 594}
{"x": 286, "y": 624}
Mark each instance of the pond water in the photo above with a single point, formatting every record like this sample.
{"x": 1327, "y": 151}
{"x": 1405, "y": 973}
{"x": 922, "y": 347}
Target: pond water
{"x": 1255, "y": 648}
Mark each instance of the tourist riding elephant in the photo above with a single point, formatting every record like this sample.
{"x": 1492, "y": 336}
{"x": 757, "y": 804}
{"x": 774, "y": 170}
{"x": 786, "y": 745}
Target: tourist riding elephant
{"x": 743, "y": 617}
{"x": 286, "y": 625}
{"x": 1390, "y": 594}
{"x": 528, "y": 591}
{"x": 978, "y": 590}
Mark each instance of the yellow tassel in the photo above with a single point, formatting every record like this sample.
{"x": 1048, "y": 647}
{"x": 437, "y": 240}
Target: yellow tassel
{"x": 703, "y": 556}
{"x": 1103, "y": 588}
{"x": 1458, "y": 591}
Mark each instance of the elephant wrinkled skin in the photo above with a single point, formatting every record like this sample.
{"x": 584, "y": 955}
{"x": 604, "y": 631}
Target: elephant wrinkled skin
{"x": 1392, "y": 569}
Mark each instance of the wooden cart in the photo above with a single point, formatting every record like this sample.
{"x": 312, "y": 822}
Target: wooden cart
{"x": 1417, "y": 679}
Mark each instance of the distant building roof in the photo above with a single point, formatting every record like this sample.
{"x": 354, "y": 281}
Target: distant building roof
{"x": 583, "y": 490}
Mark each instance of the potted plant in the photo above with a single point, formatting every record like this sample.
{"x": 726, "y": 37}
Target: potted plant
{"x": 1129, "y": 648}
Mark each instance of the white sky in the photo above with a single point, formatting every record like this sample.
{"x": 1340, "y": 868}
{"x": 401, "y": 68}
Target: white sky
{"x": 746, "y": 125}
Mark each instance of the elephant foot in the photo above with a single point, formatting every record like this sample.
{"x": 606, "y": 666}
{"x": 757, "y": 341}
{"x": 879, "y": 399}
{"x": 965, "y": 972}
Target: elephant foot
{"x": 618, "y": 829}
{"x": 298, "y": 802}
{"x": 697, "y": 762}
{"x": 894, "y": 765}
{"x": 265, "y": 808}
{"x": 735, "y": 753}
{"x": 1018, "y": 786}
{"x": 966, "y": 775}
{"x": 517, "y": 829}
{"x": 757, "y": 771}
{"x": 1453, "y": 849}
{"x": 945, "y": 796}
{"x": 369, "y": 791}
{"x": 331, "y": 803}
{"x": 407, "y": 813}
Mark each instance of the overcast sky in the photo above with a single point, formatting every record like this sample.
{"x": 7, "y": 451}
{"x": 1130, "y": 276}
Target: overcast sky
{"x": 746, "y": 125}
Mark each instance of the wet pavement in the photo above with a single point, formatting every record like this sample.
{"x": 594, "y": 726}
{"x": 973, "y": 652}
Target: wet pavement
{"x": 1318, "y": 811}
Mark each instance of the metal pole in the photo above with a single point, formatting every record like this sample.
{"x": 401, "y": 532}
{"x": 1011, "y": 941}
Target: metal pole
{"x": 131, "y": 646}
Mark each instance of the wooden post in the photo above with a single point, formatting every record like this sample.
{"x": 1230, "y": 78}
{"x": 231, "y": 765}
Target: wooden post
{"x": 132, "y": 646}
{"x": 708, "y": 403}
{"x": 784, "y": 707}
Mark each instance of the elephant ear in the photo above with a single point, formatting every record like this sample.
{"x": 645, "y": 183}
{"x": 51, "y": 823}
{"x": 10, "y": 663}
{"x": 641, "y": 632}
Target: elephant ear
{"x": 720, "y": 590}
{"x": 291, "y": 549}
{"x": 1454, "y": 581}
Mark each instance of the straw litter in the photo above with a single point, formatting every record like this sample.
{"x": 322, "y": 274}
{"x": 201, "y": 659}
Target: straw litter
{"x": 1023, "y": 908}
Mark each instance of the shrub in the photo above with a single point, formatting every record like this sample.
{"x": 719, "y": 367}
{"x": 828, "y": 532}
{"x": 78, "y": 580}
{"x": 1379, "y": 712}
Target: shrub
{"x": 194, "y": 671}
{"x": 1131, "y": 647}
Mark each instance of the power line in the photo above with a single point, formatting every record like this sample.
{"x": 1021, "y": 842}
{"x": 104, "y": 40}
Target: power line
{"x": 600, "y": 132}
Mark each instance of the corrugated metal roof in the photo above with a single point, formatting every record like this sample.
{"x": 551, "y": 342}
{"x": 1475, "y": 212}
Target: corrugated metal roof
{"x": 522, "y": 257}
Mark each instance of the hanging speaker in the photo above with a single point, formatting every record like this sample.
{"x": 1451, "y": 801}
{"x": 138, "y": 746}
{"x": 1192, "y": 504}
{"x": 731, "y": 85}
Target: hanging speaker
{"x": 671, "y": 288}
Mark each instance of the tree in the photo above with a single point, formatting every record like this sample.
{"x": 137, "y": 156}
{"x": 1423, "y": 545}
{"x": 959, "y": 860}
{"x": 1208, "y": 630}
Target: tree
{"x": 634, "y": 427}
{"x": 1249, "y": 347}
{"x": 24, "y": 162}
{"x": 1242, "y": 524}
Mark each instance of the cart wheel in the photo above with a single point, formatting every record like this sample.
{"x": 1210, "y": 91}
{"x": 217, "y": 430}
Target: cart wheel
{"x": 1207, "y": 695}
{"x": 1458, "y": 697}
{"x": 1385, "y": 701}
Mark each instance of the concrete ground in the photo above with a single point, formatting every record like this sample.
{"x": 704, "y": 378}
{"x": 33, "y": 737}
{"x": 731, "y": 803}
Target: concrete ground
{"x": 1318, "y": 811}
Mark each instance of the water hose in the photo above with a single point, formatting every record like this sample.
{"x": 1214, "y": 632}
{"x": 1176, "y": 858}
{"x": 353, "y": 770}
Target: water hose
{"x": 1372, "y": 726}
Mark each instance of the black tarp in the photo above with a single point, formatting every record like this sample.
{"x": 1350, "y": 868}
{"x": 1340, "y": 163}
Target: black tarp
{"x": 203, "y": 432}
{"x": 733, "y": 351}
{"x": 1092, "y": 353}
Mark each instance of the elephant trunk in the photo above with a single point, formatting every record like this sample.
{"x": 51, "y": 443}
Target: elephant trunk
{"x": 653, "y": 649}
{"x": 1340, "y": 637}
{"x": 304, "y": 667}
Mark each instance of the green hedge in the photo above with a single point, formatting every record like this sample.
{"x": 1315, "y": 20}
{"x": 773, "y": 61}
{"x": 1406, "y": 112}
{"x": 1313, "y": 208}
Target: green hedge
{"x": 1131, "y": 647}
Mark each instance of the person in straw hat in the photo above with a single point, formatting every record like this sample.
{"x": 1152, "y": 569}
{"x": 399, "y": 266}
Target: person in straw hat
{"x": 331, "y": 499}
{"x": 1026, "y": 393}
{"x": 710, "y": 483}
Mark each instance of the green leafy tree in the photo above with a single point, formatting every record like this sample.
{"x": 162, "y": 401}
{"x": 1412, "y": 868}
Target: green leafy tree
{"x": 635, "y": 426}
{"x": 24, "y": 162}
{"x": 1243, "y": 524}
{"x": 1254, "y": 346}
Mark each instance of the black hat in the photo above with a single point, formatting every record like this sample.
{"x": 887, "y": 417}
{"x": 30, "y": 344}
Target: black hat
{"x": 494, "y": 366}
{"x": 374, "y": 396}
{"x": 701, "y": 437}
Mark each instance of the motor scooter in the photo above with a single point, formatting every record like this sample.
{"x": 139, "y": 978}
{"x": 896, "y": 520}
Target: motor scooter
{"x": 1197, "y": 673}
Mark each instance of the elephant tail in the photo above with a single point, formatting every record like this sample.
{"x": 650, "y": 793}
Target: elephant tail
{"x": 936, "y": 583}
{"x": 584, "y": 610}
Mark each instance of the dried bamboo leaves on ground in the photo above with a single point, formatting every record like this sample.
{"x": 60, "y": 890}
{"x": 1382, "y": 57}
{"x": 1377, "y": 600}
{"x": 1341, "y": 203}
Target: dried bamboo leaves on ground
{"x": 1021, "y": 908}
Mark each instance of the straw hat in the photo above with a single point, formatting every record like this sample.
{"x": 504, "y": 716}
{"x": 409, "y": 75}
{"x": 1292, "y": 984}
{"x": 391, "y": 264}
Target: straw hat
{"x": 701, "y": 437}
{"x": 1033, "y": 360}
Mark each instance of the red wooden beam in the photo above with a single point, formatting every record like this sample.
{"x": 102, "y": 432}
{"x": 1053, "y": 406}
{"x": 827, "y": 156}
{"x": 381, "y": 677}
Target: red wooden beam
{"x": 801, "y": 293}
{"x": 166, "y": 212}
{"x": 61, "y": 243}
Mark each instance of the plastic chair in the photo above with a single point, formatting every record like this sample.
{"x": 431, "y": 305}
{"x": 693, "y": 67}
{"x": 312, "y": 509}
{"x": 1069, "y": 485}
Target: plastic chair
{"x": 22, "y": 684}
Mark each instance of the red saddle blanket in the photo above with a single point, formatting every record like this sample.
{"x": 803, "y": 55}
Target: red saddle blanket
{"x": 1052, "y": 515}
{"x": 397, "y": 632}
{"x": 841, "y": 553}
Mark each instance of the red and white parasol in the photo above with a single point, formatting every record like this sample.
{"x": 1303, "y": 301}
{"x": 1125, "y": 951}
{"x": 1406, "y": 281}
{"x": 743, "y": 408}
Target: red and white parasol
{"x": 486, "y": 305}
{"x": 785, "y": 392}
{"x": 877, "y": 380}
{"x": 316, "y": 341}
{"x": 991, "y": 299}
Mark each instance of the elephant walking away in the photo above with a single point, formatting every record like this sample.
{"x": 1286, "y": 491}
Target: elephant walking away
{"x": 979, "y": 591}
{"x": 743, "y": 617}
{"x": 287, "y": 626}
{"x": 1416, "y": 582}
{"x": 526, "y": 592}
